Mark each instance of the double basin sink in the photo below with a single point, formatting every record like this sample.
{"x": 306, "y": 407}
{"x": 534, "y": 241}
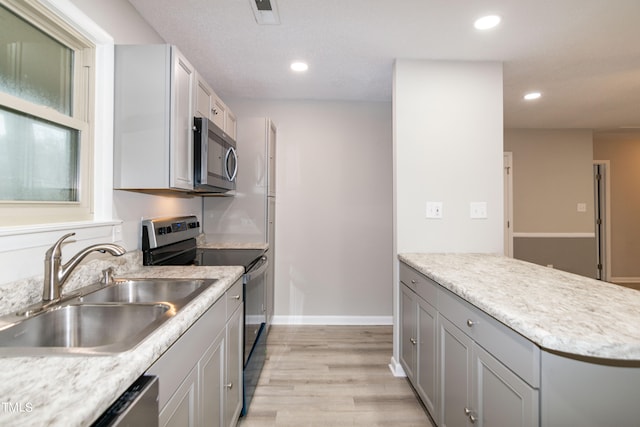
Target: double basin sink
{"x": 102, "y": 320}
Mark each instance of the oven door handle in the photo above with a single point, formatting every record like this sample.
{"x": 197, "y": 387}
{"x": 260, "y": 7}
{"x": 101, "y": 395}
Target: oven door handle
{"x": 259, "y": 268}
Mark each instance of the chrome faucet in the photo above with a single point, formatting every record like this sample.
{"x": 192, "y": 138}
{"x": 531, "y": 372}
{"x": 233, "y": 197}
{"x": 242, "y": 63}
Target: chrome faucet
{"x": 56, "y": 273}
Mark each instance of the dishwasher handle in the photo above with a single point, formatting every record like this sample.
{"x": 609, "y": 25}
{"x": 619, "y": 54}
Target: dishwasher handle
{"x": 260, "y": 267}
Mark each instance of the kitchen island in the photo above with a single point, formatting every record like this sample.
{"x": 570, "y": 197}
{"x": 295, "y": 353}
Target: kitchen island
{"x": 560, "y": 348}
{"x": 75, "y": 390}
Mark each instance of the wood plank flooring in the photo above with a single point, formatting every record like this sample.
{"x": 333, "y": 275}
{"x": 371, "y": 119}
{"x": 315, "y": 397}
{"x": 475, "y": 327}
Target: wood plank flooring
{"x": 323, "y": 376}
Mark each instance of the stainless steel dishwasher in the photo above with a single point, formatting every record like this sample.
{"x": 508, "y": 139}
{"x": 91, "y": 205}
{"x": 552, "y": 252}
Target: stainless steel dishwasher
{"x": 138, "y": 406}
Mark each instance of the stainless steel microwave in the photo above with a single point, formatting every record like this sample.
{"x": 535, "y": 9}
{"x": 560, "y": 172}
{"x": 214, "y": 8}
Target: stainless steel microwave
{"x": 215, "y": 160}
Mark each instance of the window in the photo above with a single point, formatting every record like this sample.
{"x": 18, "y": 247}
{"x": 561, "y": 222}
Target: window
{"x": 46, "y": 94}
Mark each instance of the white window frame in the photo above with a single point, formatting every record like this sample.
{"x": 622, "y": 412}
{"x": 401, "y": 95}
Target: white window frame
{"x": 21, "y": 237}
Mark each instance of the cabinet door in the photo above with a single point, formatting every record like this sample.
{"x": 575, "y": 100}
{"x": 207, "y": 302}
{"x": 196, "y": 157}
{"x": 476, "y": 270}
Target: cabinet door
{"x": 204, "y": 94}
{"x": 455, "y": 375}
{"x": 182, "y": 409}
{"x": 426, "y": 381}
{"x": 218, "y": 112}
{"x": 231, "y": 124}
{"x": 500, "y": 397}
{"x": 181, "y": 158}
{"x": 211, "y": 383}
{"x": 271, "y": 147}
{"x": 233, "y": 368}
{"x": 408, "y": 331}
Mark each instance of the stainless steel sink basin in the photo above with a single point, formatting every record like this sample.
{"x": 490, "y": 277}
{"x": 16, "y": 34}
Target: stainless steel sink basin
{"x": 84, "y": 329}
{"x": 103, "y": 320}
{"x": 177, "y": 292}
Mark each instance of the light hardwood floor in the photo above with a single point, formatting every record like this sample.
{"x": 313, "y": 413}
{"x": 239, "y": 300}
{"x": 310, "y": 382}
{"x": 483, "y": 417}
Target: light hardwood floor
{"x": 332, "y": 376}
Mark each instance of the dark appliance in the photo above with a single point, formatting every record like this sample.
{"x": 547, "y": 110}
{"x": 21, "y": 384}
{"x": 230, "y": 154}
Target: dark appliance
{"x": 172, "y": 241}
{"x": 137, "y": 406}
{"x": 215, "y": 164}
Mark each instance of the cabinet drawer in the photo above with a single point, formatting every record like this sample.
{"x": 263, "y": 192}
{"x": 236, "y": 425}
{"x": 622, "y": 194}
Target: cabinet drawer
{"x": 512, "y": 349}
{"x": 426, "y": 288}
{"x": 234, "y": 297}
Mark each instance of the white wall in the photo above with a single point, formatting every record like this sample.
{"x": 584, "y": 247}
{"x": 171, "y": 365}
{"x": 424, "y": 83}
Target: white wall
{"x": 333, "y": 209}
{"x": 448, "y": 148}
{"x": 447, "y": 138}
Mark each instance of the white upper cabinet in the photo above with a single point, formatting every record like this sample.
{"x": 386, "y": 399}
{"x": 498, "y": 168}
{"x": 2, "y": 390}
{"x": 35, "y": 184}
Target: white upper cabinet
{"x": 209, "y": 105}
{"x": 204, "y": 97}
{"x": 154, "y": 86}
{"x": 157, "y": 94}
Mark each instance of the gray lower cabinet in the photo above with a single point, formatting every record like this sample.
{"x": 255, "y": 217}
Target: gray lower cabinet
{"x": 232, "y": 385}
{"x": 455, "y": 376}
{"x": 418, "y": 346}
{"x": 477, "y": 388}
{"x": 200, "y": 375}
{"x": 180, "y": 409}
{"x": 467, "y": 368}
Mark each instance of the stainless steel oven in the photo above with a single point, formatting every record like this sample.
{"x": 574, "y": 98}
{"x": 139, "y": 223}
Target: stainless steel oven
{"x": 171, "y": 241}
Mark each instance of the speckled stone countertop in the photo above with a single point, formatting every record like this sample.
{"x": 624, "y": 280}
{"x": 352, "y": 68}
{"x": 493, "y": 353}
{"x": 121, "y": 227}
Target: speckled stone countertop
{"x": 556, "y": 310}
{"x": 75, "y": 390}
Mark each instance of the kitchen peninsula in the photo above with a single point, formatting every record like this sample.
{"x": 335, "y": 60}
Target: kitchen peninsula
{"x": 510, "y": 342}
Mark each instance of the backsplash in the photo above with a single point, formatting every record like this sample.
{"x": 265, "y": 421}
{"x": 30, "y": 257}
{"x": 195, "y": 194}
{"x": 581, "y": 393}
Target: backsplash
{"x": 22, "y": 293}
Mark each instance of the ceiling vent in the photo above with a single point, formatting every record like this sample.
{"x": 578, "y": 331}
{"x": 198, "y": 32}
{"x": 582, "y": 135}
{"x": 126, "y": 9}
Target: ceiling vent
{"x": 265, "y": 11}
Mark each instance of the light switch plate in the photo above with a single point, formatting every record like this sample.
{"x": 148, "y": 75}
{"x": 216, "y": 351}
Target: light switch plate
{"x": 434, "y": 210}
{"x": 478, "y": 210}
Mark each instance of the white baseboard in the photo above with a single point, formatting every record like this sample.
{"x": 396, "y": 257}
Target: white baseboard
{"x": 332, "y": 320}
{"x": 625, "y": 280}
{"x": 396, "y": 368}
{"x": 589, "y": 235}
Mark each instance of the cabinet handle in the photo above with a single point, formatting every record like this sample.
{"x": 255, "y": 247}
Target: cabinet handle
{"x": 229, "y": 386}
{"x": 236, "y": 297}
{"x": 470, "y": 323}
{"x": 413, "y": 282}
{"x": 413, "y": 341}
{"x": 469, "y": 414}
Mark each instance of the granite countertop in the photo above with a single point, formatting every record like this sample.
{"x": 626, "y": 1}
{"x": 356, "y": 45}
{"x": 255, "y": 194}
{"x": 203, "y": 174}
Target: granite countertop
{"x": 556, "y": 310}
{"x": 75, "y": 390}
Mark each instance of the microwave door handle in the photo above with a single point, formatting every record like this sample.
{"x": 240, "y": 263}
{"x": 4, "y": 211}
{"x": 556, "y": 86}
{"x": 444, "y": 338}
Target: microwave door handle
{"x": 204, "y": 160}
{"x": 231, "y": 176}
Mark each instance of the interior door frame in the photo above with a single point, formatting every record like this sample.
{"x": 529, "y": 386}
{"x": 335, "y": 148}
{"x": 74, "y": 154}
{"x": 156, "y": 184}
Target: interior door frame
{"x": 606, "y": 267}
{"x": 508, "y": 203}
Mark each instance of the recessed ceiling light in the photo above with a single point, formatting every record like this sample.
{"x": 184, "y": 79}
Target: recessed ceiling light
{"x": 487, "y": 22}
{"x": 299, "y": 66}
{"x": 532, "y": 95}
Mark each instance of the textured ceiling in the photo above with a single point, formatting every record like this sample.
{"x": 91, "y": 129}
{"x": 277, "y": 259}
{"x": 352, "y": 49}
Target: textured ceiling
{"x": 583, "y": 55}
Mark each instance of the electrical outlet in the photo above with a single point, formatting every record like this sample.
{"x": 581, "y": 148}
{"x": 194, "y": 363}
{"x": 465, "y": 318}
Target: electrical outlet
{"x": 434, "y": 210}
{"x": 582, "y": 207}
{"x": 117, "y": 233}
